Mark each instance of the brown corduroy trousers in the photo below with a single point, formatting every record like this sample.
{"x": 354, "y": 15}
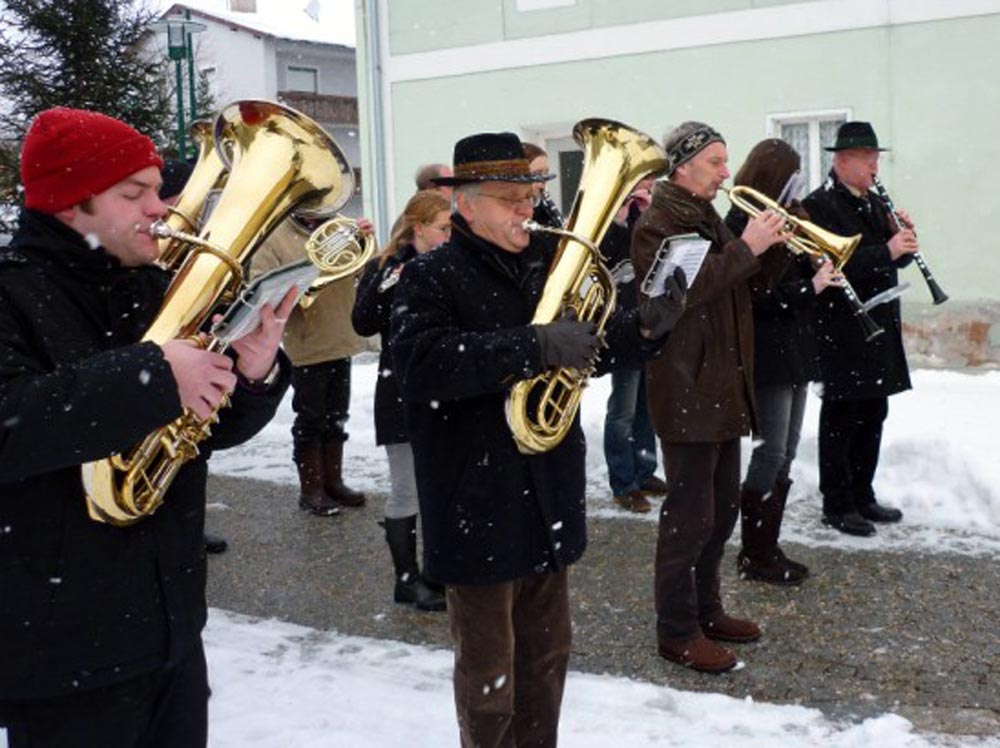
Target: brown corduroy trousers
{"x": 696, "y": 520}
{"x": 512, "y": 643}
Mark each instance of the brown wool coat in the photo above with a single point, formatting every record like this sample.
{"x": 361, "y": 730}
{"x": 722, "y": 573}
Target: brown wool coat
{"x": 323, "y": 332}
{"x": 700, "y": 387}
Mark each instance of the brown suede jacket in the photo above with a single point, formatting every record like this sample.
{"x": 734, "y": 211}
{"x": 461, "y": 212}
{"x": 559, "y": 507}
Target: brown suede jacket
{"x": 700, "y": 388}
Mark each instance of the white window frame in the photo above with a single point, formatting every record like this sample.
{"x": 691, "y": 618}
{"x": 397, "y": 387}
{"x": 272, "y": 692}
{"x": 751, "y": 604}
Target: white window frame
{"x": 813, "y": 118}
{"x": 302, "y": 69}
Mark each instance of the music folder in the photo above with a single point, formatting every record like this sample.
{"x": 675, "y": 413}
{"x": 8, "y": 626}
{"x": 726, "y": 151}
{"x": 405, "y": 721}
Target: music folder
{"x": 684, "y": 250}
{"x": 243, "y": 315}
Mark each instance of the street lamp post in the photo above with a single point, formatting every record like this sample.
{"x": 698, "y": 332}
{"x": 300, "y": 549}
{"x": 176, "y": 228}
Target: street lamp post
{"x": 179, "y": 30}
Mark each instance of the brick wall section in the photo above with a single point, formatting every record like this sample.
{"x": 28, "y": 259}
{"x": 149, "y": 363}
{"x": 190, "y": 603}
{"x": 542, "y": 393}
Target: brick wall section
{"x": 956, "y": 334}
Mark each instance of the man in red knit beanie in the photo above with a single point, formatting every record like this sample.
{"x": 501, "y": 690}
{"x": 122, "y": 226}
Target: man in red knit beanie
{"x": 100, "y": 626}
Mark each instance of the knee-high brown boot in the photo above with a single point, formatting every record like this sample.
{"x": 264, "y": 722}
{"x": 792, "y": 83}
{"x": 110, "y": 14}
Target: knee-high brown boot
{"x": 333, "y": 479}
{"x": 312, "y": 497}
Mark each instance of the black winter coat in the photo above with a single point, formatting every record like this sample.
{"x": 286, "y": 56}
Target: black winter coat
{"x": 83, "y": 604}
{"x": 853, "y": 369}
{"x": 784, "y": 322}
{"x": 461, "y": 339}
{"x": 371, "y": 316}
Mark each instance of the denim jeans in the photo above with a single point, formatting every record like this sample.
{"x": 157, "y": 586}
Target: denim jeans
{"x": 780, "y": 410}
{"x": 629, "y": 439}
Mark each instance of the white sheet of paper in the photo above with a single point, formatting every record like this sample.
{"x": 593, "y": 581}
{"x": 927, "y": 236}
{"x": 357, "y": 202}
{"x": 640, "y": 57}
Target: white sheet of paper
{"x": 685, "y": 250}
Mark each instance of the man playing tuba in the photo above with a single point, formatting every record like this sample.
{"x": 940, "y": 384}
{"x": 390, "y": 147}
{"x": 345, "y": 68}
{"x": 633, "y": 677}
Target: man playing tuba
{"x": 500, "y": 526}
{"x": 100, "y": 633}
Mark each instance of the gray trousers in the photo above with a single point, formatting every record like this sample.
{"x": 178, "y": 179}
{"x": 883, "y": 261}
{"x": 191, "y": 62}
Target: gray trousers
{"x": 780, "y": 410}
{"x": 402, "y": 500}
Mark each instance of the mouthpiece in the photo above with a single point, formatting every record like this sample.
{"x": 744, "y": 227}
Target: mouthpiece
{"x": 157, "y": 230}
{"x": 531, "y": 226}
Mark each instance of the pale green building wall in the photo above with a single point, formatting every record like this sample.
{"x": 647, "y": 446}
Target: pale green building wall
{"x": 928, "y": 88}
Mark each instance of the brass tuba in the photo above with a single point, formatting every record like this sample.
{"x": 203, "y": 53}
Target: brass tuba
{"x": 280, "y": 161}
{"x": 540, "y": 411}
{"x": 187, "y": 213}
{"x": 808, "y": 238}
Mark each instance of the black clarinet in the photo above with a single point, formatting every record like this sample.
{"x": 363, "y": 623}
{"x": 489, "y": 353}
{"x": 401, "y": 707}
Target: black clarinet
{"x": 937, "y": 294}
{"x": 547, "y": 212}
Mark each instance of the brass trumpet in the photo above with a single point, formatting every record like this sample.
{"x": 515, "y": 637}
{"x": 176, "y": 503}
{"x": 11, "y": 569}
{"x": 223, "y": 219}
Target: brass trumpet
{"x": 808, "y": 238}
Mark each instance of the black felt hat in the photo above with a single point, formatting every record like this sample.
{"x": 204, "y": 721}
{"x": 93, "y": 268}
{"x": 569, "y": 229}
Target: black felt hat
{"x": 490, "y": 157}
{"x": 855, "y": 135}
{"x": 175, "y": 175}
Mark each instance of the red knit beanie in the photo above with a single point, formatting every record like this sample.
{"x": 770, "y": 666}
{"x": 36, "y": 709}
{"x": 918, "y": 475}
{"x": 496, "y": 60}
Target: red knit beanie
{"x": 70, "y": 155}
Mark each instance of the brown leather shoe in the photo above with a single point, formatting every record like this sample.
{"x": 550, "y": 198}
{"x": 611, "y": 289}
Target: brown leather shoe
{"x": 699, "y": 654}
{"x": 728, "y": 629}
{"x": 634, "y": 501}
{"x": 654, "y": 486}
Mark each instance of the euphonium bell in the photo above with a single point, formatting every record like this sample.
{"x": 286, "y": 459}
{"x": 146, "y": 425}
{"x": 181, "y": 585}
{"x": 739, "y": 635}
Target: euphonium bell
{"x": 280, "y": 161}
{"x": 540, "y": 411}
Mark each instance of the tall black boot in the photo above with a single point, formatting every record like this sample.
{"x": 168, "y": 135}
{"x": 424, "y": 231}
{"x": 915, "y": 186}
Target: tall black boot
{"x": 401, "y": 534}
{"x": 333, "y": 477}
{"x": 780, "y": 494}
{"x": 759, "y": 557}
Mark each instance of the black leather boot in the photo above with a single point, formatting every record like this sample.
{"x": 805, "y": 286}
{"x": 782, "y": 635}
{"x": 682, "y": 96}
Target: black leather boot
{"x": 760, "y": 559}
{"x": 401, "y": 534}
{"x": 333, "y": 477}
{"x": 780, "y": 493}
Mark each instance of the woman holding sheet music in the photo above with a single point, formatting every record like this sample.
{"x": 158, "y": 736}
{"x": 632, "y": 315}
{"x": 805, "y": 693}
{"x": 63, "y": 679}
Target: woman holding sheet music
{"x": 785, "y": 361}
{"x": 701, "y": 393}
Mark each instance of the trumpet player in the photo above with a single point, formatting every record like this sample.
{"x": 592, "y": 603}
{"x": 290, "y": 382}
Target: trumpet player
{"x": 858, "y": 376}
{"x": 785, "y": 362}
{"x": 500, "y": 527}
{"x": 100, "y": 629}
{"x": 700, "y": 392}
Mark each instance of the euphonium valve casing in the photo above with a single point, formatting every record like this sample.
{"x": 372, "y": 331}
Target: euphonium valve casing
{"x": 540, "y": 411}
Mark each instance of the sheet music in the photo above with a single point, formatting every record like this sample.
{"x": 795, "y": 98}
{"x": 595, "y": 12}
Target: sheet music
{"x": 890, "y": 294}
{"x": 792, "y": 189}
{"x": 686, "y": 251}
{"x": 243, "y": 316}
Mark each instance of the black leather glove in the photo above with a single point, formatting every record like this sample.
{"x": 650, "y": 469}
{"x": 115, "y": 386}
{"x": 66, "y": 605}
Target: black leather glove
{"x": 567, "y": 342}
{"x": 659, "y": 314}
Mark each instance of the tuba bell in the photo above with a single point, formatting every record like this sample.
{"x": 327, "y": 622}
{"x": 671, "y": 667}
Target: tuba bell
{"x": 279, "y": 161}
{"x": 541, "y": 410}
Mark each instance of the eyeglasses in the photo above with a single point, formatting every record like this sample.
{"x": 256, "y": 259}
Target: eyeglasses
{"x": 514, "y": 202}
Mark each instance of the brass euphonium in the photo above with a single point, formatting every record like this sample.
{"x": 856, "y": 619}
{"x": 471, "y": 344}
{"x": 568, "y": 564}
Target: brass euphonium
{"x": 280, "y": 161}
{"x": 808, "y": 238}
{"x": 540, "y": 411}
{"x": 186, "y": 214}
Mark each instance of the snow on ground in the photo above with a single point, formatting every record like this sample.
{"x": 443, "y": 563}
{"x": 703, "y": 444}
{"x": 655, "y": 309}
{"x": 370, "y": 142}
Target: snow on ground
{"x": 939, "y": 463}
{"x": 278, "y": 685}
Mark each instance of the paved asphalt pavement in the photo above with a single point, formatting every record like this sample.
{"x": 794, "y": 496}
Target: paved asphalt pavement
{"x": 869, "y": 632}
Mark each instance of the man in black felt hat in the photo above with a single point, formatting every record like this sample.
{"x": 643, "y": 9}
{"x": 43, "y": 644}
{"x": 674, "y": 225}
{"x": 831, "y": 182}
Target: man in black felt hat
{"x": 500, "y": 527}
{"x": 858, "y": 376}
